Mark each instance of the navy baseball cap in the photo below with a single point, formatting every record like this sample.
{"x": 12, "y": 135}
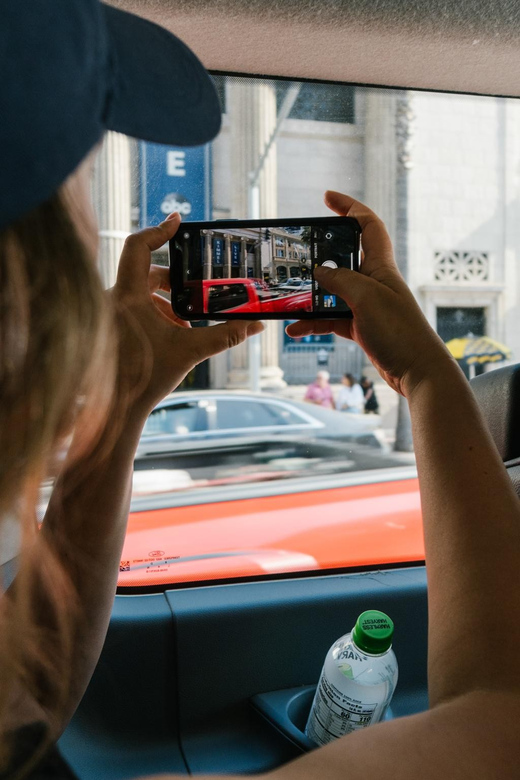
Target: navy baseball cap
{"x": 71, "y": 69}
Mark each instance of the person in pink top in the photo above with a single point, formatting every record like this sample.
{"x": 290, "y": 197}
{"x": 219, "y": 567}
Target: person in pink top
{"x": 320, "y": 392}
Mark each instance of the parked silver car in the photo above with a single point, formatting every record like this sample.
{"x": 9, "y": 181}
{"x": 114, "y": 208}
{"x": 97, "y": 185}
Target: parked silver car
{"x": 295, "y": 284}
{"x": 206, "y": 420}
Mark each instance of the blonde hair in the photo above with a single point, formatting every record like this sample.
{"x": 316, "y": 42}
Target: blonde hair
{"x": 57, "y": 365}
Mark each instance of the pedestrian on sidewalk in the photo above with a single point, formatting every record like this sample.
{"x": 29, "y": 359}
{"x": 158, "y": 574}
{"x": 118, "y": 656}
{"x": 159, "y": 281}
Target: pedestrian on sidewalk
{"x": 350, "y": 397}
{"x": 371, "y": 402}
{"x": 319, "y": 392}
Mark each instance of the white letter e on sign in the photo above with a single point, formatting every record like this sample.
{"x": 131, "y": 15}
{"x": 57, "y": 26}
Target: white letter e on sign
{"x": 175, "y": 162}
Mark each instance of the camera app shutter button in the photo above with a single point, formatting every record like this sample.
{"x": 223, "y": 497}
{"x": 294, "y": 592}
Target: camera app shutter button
{"x": 330, "y": 264}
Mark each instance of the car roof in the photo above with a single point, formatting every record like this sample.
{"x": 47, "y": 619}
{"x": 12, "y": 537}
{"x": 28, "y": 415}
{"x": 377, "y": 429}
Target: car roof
{"x": 464, "y": 46}
{"x": 351, "y": 424}
{"x": 209, "y": 393}
{"x": 237, "y": 395}
{"x": 228, "y": 281}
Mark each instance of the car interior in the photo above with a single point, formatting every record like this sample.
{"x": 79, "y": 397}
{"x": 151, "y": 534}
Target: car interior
{"x": 218, "y": 676}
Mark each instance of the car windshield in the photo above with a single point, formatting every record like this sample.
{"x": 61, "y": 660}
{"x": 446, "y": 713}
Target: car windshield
{"x": 280, "y": 423}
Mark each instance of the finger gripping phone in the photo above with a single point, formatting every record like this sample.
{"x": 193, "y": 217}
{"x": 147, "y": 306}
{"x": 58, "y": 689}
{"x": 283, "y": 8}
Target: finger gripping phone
{"x": 260, "y": 269}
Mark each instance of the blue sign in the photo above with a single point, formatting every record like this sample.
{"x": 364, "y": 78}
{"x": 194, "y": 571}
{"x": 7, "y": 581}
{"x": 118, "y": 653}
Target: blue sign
{"x": 218, "y": 251}
{"x": 174, "y": 178}
{"x": 235, "y": 253}
{"x": 317, "y": 342}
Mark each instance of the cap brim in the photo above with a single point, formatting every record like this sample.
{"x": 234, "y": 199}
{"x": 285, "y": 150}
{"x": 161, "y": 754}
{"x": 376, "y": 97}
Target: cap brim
{"x": 159, "y": 91}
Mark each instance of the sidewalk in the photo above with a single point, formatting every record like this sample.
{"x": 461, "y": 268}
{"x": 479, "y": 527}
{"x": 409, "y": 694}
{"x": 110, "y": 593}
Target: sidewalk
{"x": 386, "y": 397}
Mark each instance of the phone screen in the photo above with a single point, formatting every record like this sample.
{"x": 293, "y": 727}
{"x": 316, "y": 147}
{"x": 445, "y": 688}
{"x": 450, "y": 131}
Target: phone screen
{"x": 243, "y": 269}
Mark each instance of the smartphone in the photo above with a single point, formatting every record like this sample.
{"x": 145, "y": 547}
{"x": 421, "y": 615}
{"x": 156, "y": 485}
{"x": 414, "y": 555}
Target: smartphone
{"x": 260, "y": 269}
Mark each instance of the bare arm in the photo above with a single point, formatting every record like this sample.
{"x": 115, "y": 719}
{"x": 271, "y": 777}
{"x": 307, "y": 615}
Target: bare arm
{"x": 85, "y": 522}
{"x": 471, "y": 514}
{"x": 471, "y": 518}
{"x": 471, "y": 523}
{"x": 465, "y": 739}
{"x": 85, "y": 526}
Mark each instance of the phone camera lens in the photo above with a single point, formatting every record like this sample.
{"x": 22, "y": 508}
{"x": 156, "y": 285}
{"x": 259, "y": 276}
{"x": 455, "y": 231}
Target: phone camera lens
{"x": 186, "y": 235}
{"x": 328, "y": 236}
{"x": 189, "y": 307}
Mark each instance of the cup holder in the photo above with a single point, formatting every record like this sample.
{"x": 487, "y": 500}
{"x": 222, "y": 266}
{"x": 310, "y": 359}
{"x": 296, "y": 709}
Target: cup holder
{"x": 287, "y": 711}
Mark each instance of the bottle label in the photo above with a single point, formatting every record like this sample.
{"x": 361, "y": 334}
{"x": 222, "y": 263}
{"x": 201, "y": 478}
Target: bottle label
{"x": 336, "y": 714}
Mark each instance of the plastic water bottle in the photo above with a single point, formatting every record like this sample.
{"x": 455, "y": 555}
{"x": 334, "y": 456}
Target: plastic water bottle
{"x": 357, "y": 681}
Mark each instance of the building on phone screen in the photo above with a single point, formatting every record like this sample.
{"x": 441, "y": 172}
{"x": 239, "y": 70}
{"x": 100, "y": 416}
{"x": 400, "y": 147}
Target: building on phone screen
{"x": 273, "y": 255}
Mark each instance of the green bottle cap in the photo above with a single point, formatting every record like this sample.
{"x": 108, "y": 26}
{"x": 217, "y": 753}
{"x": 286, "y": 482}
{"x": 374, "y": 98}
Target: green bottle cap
{"x": 373, "y": 632}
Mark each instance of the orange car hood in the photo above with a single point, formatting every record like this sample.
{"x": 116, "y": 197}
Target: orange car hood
{"x": 358, "y": 525}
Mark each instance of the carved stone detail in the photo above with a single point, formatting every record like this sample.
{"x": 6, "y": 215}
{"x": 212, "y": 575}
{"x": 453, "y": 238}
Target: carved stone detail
{"x": 462, "y": 267}
{"x": 404, "y": 130}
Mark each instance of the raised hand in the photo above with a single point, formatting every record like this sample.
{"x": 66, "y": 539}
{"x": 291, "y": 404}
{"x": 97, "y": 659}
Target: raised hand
{"x": 156, "y": 348}
{"x": 387, "y": 321}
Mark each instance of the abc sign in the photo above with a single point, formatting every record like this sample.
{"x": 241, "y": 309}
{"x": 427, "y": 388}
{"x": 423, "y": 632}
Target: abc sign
{"x": 174, "y": 201}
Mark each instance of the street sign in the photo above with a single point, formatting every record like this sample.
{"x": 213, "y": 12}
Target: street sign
{"x": 218, "y": 251}
{"x": 235, "y": 253}
{"x": 174, "y": 179}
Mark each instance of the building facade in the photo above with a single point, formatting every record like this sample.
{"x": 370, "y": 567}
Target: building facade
{"x": 443, "y": 172}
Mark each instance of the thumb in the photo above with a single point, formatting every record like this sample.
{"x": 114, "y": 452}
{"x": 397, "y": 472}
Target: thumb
{"x": 209, "y": 341}
{"x": 134, "y": 265}
{"x": 351, "y": 286}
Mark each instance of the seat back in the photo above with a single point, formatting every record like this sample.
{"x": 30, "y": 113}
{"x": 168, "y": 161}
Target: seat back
{"x": 498, "y": 395}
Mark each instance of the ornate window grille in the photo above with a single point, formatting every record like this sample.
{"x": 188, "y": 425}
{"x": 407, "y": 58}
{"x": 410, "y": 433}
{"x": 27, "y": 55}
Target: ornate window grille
{"x": 462, "y": 267}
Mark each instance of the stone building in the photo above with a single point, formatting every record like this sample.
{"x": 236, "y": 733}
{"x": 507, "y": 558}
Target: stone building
{"x": 443, "y": 171}
{"x": 274, "y": 255}
{"x": 288, "y": 257}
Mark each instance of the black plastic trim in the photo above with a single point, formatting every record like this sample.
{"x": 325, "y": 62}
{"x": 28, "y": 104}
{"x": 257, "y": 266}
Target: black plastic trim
{"x": 364, "y": 85}
{"x": 163, "y": 588}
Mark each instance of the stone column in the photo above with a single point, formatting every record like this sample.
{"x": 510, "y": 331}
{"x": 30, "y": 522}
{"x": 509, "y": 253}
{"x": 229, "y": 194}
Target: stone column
{"x": 207, "y": 266}
{"x": 404, "y": 131}
{"x": 380, "y": 167}
{"x": 237, "y": 368}
{"x": 389, "y": 123}
{"x": 111, "y": 191}
{"x": 509, "y": 116}
{"x": 381, "y": 155}
{"x": 243, "y": 258}
{"x": 271, "y": 375}
{"x": 252, "y": 115}
{"x": 275, "y": 261}
{"x": 227, "y": 257}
